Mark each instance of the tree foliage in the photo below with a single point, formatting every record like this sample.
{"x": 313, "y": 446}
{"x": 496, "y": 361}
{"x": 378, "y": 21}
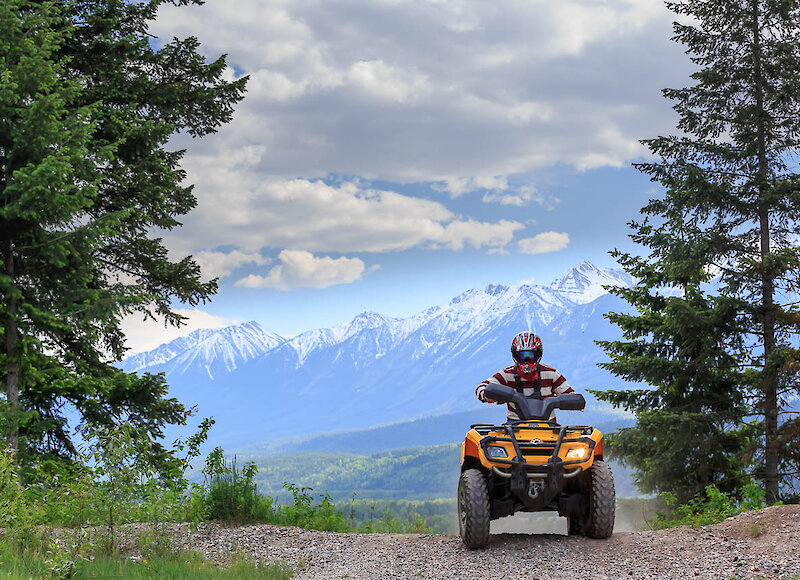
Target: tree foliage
{"x": 89, "y": 101}
{"x": 718, "y": 320}
{"x": 689, "y": 431}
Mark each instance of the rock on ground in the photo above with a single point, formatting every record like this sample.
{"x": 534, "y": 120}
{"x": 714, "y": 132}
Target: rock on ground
{"x": 760, "y": 544}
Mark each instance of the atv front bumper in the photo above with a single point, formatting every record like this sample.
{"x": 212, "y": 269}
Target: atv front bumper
{"x": 535, "y": 458}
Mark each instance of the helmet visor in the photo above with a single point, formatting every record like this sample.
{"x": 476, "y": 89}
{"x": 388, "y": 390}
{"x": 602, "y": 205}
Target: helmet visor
{"x": 526, "y": 355}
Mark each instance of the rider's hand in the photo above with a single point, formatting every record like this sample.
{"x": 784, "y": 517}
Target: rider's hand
{"x": 482, "y": 397}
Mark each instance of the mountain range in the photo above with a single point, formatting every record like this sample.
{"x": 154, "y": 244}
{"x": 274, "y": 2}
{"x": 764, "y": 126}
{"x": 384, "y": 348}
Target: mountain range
{"x": 378, "y": 370}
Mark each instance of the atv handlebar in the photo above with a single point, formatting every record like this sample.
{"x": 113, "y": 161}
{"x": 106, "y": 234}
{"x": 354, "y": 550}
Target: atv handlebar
{"x": 529, "y": 409}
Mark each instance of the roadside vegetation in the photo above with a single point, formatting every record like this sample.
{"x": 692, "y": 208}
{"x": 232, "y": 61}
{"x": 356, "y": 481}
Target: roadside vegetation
{"x": 74, "y": 520}
{"x": 229, "y": 493}
{"x": 710, "y": 508}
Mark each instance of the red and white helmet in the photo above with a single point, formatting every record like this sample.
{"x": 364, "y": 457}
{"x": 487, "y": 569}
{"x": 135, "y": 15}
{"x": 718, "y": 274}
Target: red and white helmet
{"x": 526, "y": 348}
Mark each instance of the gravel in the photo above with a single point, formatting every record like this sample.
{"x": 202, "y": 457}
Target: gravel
{"x": 761, "y": 544}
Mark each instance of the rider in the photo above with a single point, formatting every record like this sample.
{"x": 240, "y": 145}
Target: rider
{"x": 527, "y": 374}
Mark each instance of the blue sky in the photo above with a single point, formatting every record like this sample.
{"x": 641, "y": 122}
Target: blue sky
{"x": 391, "y": 154}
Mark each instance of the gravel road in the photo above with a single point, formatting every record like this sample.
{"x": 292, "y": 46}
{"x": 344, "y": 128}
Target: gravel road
{"x": 761, "y": 544}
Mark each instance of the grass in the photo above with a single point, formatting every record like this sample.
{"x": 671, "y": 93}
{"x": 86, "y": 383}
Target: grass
{"x": 180, "y": 565}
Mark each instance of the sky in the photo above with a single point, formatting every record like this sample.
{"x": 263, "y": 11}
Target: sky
{"x": 391, "y": 154}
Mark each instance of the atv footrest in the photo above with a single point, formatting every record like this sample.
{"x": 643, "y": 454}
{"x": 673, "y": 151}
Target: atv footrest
{"x": 572, "y": 504}
{"x": 502, "y": 508}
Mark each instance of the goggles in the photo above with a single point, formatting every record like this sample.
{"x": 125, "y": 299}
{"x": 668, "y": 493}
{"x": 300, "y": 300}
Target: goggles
{"x": 526, "y": 355}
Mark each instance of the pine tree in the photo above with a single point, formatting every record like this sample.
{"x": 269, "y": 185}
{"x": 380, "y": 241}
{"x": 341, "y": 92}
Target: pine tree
{"x": 732, "y": 204}
{"x": 88, "y": 105}
{"x": 689, "y": 429}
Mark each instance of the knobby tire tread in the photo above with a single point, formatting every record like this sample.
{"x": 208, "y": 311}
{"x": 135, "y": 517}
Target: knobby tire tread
{"x": 600, "y": 519}
{"x": 473, "y": 501}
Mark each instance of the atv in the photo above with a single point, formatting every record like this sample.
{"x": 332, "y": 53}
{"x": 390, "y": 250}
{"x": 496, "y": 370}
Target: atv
{"x": 534, "y": 465}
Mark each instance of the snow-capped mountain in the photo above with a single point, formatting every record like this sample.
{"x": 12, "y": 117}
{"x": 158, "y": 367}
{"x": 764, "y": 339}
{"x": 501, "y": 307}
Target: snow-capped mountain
{"x": 584, "y": 283}
{"x": 213, "y": 350}
{"x": 375, "y": 369}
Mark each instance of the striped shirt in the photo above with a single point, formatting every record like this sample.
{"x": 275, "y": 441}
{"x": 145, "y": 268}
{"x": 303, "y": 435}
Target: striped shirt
{"x": 551, "y": 382}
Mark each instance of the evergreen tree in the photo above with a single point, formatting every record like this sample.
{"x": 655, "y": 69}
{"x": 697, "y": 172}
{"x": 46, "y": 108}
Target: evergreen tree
{"x": 688, "y": 432}
{"x": 731, "y": 208}
{"x": 88, "y": 105}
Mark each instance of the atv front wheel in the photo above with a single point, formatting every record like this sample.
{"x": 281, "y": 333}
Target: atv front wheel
{"x": 473, "y": 509}
{"x": 599, "y": 482}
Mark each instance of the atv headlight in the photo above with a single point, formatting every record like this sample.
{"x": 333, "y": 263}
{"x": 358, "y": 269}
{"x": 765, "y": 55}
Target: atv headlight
{"x": 496, "y": 452}
{"x": 576, "y": 453}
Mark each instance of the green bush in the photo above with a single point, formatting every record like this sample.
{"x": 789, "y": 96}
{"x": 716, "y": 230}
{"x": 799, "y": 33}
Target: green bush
{"x": 228, "y": 493}
{"x": 713, "y": 508}
{"x": 304, "y": 513}
{"x": 18, "y": 515}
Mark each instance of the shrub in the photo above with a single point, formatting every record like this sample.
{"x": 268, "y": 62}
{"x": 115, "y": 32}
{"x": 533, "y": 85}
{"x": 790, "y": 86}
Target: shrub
{"x": 229, "y": 494}
{"x": 713, "y": 508}
{"x": 17, "y": 516}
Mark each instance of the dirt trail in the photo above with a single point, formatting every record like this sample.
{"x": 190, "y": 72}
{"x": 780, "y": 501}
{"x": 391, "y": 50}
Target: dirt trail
{"x": 761, "y": 544}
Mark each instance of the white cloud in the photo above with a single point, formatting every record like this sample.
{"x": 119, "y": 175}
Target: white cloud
{"x": 221, "y": 264}
{"x": 410, "y": 91}
{"x": 300, "y": 269}
{"x": 522, "y": 196}
{"x": 143, "y": 335}
{"x": 544, "y": 243}
{"x": 300, "y": 214}
{"x": 458, "y": 186}
{"x": 386, "y": 82}
{"x": 463, "y": 95}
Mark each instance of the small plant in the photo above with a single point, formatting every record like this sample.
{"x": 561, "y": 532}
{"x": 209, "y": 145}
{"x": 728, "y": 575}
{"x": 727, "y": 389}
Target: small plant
{"x": 755, "y": 530}
{"x": 715, "y": 507}
{"x": 65, "y": 556}
{"x": 17, "y": 515}
{"x": 229, "y": 494}
{"x": 119, "y": 461}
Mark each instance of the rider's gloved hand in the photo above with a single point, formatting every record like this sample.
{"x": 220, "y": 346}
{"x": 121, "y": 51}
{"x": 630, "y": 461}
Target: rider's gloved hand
{"x": 481, "y": 396}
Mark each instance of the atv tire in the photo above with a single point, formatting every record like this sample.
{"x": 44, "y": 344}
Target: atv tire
{"x": 473, "y": 509}
{"x": 599, "y": 486}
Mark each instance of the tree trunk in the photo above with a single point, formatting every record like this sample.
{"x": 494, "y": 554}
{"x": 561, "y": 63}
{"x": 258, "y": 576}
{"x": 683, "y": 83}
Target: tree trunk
{"x": 769, "y": 376}
{"x": 12, "y": 363}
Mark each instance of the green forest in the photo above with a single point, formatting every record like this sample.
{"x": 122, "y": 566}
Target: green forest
{"x": 418, "y": 473}
{"x": 412, "y": 474}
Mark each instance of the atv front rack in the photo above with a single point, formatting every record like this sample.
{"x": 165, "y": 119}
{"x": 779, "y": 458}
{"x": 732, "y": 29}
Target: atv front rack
{"x": 552, "y": 474}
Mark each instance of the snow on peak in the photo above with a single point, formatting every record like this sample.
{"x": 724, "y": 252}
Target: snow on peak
{"x": 229, "y": 346}
{"x": 368, "y": 320}
{"x": 584, "y": 282}
{"x": 360, "y": 322}
{"x": 472, "y": 313}
{"x": 306, "y": 342}
{"x": 496, "y": 289}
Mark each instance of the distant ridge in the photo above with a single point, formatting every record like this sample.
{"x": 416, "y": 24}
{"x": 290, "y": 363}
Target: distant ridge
{"x": 226, "y": 348}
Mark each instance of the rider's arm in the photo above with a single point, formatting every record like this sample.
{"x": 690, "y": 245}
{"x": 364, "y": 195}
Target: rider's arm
{"x": 560, "y": 385}
{"x": 496, "y": 379}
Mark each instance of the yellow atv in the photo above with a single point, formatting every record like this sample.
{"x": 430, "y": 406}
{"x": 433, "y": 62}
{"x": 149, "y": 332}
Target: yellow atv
{"x": 534, "y": 465}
